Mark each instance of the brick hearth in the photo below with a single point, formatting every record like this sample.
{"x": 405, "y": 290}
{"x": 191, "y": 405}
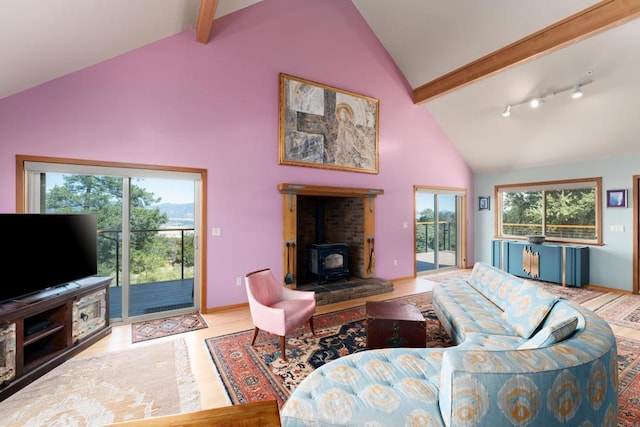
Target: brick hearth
{"x": 343, "y": 290}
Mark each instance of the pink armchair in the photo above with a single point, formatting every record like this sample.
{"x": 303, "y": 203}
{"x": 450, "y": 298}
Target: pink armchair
{"x": 276, "y": 308}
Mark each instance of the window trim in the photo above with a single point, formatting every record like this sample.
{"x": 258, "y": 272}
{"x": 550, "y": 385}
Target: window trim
{"x": 595, "y": 182}
{"x": 200, "y": 175}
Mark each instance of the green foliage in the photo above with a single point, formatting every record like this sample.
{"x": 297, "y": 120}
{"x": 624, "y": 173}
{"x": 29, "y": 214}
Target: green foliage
{"x": 425, "y": 232}
{"x": 153, "y": 255}
{"x": 563, "y": 209}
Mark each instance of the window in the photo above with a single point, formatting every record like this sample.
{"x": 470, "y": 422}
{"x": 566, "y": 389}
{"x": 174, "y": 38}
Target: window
{"x": 563, "y": 211}
{"x": 149, "y": 218}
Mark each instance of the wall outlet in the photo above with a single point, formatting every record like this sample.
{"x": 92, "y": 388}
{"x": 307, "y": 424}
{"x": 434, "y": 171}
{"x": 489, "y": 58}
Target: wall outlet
{"x": 215, "y": 231}
{"x": 617, "y": 228}
{"x": 238, "y": 281}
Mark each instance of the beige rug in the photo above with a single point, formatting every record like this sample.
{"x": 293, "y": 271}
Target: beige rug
{"x": 623, "y": 311}
{"x": 147, "y": 380}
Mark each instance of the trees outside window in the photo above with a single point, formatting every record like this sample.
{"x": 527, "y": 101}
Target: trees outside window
{"x": 564, "y": 211}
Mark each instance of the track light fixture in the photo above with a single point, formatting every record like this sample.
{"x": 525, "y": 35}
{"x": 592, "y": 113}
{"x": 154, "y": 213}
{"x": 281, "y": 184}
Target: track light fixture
{"x": 538, "y": 101}
{"x": 577, "y": 92}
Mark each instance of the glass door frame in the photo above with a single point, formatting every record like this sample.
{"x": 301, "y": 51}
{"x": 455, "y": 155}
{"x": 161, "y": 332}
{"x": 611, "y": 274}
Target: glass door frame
{"x": 28, "y": 200}
{"x": 461, "y": 235}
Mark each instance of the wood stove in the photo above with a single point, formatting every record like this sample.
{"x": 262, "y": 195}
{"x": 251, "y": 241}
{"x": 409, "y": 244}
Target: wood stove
{"x": 328, "y": 261}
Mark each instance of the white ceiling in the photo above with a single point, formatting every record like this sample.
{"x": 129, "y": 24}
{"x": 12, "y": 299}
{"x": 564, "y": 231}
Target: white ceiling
{"x": 44, "y": 39}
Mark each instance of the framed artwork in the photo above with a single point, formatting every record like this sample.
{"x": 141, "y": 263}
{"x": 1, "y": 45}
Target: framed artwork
{"x": 616, "y": 198}
{"x": 483, "y": 203}
{"x": 325, "y": 127}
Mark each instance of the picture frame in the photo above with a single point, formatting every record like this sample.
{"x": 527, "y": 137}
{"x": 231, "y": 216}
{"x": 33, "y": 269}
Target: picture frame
{"x": 484, "y": 203}
{"x": 617, "y": 198}
{"x": 321, "y": 126}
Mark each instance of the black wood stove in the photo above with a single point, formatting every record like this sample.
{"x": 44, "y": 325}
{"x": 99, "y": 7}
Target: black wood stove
{"x": 328, "y": 260}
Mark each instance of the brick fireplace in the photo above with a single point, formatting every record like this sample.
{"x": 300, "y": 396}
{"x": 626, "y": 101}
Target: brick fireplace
{"x": 327, "y": 220}
{"x": 314, "y": 215}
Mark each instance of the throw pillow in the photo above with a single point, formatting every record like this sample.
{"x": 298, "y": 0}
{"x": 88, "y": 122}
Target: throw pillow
{"x": 530, "y": 304}
{"x": 551, "y": 334}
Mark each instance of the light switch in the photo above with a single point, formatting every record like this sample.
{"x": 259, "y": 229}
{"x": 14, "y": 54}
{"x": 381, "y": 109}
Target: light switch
{"x": 617, "y": 228}
{"x": 215, "y": 231}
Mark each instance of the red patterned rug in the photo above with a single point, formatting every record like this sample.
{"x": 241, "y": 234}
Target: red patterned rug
{"x": 151, "y": 329}
{"x": 255, "y": 373}
{"x": 628, "y": 382}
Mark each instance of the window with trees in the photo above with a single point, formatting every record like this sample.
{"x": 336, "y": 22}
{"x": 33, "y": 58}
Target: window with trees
{"x": 148, "y": 220}
{"x": 563, "y": 211}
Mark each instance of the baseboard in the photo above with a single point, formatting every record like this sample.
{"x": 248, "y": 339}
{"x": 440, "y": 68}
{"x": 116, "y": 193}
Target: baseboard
{"x": 209, "y": 310}
{"x": 606, "y": 289}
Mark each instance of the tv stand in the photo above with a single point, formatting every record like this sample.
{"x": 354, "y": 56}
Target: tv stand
{"x": 47, "y": 293}
{"x": 41, "y": 331}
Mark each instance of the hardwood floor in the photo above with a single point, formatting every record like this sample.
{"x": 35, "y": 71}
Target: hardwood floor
{"x": 212, "y": 394}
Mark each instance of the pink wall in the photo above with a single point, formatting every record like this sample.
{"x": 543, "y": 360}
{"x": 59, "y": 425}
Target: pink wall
{"x": 181, "y": 103}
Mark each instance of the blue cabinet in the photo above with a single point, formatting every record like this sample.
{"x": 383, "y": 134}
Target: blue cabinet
{"x": 567, "y": 265}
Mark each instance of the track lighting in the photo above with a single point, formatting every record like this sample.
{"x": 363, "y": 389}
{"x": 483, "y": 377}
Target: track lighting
{"x": 577, "y": 92}
{"x": 538, "y": 101}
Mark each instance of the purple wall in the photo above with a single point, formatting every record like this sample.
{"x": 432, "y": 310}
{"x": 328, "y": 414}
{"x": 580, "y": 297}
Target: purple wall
{"x": 181, "y": 103}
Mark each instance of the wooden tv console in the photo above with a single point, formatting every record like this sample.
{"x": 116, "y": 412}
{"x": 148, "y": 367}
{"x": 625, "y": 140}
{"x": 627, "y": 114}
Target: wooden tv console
{"x": 39, "y": 332}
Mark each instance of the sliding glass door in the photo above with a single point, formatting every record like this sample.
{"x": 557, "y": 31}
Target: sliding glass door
{"x": 437, "y": 229}
{"x": 161, "y": 245}
{"x": 148, "y": 225}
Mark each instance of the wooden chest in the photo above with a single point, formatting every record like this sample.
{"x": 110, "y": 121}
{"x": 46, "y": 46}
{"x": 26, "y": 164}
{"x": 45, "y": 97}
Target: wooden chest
{"x": 392, "y": 324}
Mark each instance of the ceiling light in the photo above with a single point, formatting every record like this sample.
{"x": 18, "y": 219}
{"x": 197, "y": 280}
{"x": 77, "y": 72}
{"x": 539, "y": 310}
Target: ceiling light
{"x": 577, "y": 92}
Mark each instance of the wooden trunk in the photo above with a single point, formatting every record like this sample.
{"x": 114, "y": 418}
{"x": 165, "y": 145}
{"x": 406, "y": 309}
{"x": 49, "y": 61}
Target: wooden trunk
{"x": 391, "y": 324}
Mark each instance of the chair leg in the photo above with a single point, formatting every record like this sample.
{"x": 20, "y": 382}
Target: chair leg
{"x": 311, "y": 325}
{"x": 255, "y": 334}
{"x": 283, "y": 348}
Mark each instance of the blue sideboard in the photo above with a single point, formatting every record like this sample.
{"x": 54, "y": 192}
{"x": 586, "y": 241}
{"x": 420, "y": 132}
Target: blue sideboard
{"x": 567, "y": 265}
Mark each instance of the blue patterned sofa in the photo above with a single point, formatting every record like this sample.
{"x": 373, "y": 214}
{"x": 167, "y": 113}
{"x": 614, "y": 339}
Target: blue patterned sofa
{"x": 523, "y": 357}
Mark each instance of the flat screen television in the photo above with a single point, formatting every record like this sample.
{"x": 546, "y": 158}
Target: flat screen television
{"x": 45, "y": 251}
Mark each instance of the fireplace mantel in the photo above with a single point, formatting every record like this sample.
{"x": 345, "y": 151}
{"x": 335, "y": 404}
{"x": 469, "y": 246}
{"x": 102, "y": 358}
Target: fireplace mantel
{"x": 319, "y": 190}
{"x": 366, "y": 242}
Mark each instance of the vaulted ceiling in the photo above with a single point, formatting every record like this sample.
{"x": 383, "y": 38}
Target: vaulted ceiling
{"x": 433, "y": 43}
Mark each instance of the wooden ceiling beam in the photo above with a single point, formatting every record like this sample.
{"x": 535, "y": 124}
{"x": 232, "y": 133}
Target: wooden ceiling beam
{"x": 583, "y": 24}
{"x": 205, "y": 20}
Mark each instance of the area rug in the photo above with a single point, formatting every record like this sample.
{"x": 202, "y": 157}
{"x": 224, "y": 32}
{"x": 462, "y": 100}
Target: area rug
{"x": 623, "y": 311}
{"x": 254, "y": 373}
{"x": 144, "y": 381}
{"x": 446, "y": 275}
{"x": 257, "y": 373}
{"x": 151, "y": 329}
{"x": 628, "y": 382}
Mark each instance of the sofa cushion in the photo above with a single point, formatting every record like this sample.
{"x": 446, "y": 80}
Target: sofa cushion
{"x": 495, "y": 284}
{"x": 562, "y": 310}
{"x": 463, "y": 310}
{"x": 551, "y": 334}
{"x": 388, "y": 387}
{"x": 529, "y": 305}
{"x": 480, "y": 341}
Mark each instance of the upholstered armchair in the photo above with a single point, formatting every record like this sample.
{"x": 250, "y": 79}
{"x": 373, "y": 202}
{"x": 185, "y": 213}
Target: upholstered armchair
{"x": 276, "y": 308}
